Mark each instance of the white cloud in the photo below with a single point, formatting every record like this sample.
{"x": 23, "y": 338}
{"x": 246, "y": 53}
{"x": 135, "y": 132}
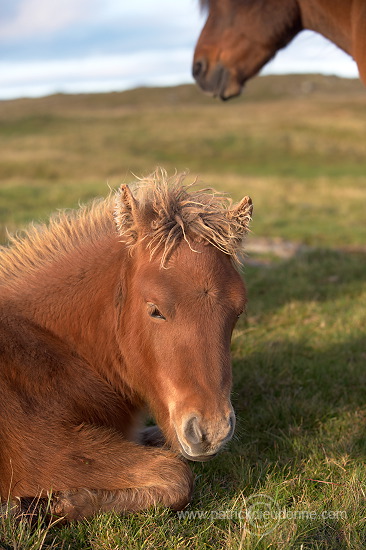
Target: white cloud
{"x": 163, "y": 12}
{"x": 39, "y": 16}
{"x": 32, "y": 17}
{"x": 93, "y": 74}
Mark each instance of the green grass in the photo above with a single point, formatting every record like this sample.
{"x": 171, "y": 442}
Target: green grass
{"x": 298, "y": 356}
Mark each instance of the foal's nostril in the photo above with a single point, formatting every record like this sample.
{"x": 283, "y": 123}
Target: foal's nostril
{"x": 193, "y": 432}
{"x": 199, "y": 67}
{"x": 232, "y": 421}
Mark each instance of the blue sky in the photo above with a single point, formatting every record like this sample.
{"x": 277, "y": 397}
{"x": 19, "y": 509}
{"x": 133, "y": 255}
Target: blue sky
{"x": 49, "y": 46}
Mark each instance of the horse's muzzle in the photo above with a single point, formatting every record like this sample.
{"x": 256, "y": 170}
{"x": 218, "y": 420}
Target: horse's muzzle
{"x": 200, "y": 441}
{"x": 216, "y": 80}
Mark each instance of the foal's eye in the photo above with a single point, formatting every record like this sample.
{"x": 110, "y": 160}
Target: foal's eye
{"x": 154, "y": 312}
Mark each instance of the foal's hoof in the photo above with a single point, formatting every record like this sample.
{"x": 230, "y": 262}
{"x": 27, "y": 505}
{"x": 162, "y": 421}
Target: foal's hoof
{"x": 70, "y": 506}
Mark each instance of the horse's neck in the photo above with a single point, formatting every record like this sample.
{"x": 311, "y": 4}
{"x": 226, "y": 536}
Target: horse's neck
{"x": 76, "y": 299}
{"x": 341, "y": 21}
{"x": 331, "y": 18}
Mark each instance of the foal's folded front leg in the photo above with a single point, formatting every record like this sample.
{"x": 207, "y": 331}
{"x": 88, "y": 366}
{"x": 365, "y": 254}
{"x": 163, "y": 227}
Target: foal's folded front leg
{"x": 121, "y": 476}
{"x": 168, "y": 482}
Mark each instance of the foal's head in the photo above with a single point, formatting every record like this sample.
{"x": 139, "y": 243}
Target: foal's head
{"x": 183, "y": 297}
{"x": 239, "y": 37}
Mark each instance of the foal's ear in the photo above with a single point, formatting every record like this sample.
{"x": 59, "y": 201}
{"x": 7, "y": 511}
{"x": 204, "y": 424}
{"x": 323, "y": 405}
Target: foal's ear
{"x": 242, "y": 213}
{"x": 126, "y": 199}
{"x": 126, "y": 213}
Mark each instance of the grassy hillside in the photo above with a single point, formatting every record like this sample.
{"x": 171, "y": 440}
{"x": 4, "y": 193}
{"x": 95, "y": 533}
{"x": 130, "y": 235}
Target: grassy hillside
{"x": 297, "y": 145}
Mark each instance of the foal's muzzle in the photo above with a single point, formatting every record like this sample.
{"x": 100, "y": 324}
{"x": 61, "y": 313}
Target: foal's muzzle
{"x": 200, "y": 441}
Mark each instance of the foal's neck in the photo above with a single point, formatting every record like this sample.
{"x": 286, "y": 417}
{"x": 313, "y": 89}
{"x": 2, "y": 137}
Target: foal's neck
{"x": 77, "y": 298}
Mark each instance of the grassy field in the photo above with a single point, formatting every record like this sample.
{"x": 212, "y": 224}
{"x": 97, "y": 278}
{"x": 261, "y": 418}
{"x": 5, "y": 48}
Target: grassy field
{"x": 294, "y": 476}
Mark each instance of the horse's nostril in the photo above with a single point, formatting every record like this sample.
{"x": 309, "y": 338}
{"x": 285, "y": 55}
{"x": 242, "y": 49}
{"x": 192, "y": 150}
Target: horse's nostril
{"x": 199, "y": 67}
{"x": 193, "y": 432}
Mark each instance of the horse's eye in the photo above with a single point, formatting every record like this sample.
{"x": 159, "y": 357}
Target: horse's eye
{"x": 154, "y": 312}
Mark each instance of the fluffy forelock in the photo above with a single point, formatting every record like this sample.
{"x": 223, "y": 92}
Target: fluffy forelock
{"x": 170, "y": 212}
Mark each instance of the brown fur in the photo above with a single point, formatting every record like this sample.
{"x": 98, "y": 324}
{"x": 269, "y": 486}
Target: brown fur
{"x": 85, "y": 349}
{"x": 241, "y": 36}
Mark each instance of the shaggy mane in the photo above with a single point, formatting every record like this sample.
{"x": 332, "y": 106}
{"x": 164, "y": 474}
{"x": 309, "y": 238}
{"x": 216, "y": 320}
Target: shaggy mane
{"x": 168, "y": 212}
{"x": 39, "y": 244}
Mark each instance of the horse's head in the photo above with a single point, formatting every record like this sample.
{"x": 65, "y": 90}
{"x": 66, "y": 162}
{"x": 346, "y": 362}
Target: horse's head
{"x": 239, "y": 37}
{"x": 183, "y": 296}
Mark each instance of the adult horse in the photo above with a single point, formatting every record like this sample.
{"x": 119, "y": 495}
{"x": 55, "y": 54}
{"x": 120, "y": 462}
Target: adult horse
{"x": 123, "y": 306}
{"x": 241, "y": 36}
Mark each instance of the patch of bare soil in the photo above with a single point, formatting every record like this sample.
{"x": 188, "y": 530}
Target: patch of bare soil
{"x": 270, "y": 248}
